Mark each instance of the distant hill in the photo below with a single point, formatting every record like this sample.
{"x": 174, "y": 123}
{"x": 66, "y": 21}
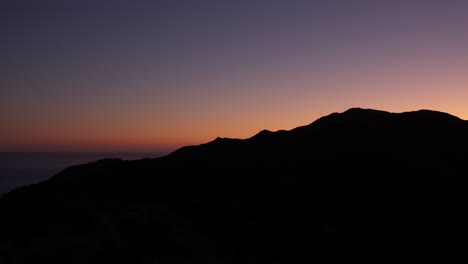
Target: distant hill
{"x": 363, "y": 186}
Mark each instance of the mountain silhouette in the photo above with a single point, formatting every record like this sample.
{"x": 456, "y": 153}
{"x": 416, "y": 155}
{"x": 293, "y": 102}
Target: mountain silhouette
{"x": 362, "y": 186}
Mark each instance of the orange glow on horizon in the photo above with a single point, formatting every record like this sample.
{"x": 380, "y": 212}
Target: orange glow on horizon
{"x": 198, "y": 119}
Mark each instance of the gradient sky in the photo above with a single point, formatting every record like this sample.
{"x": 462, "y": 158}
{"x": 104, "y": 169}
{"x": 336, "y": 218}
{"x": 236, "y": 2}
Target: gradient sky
{"x": 157, "y": 75}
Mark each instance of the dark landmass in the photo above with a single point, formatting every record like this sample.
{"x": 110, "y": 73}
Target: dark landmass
{"x": 22, "y": 168}
{"x": 361, "y": 186}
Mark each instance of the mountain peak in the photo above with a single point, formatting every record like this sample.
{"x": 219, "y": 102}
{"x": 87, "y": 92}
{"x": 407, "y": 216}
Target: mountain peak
{"x": 364, "y": 111}
{"x": 357, "y": 109}
{"x": 264, "y": 132}
{"x": 425, "y": 114}
{"x": 354, "y": 114}
{"x": 422, "y": 114}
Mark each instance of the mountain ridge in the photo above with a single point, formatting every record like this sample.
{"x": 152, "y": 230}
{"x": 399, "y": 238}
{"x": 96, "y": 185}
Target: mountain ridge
{"x": 358, "y": 114}
{"x": 352, "y": 114}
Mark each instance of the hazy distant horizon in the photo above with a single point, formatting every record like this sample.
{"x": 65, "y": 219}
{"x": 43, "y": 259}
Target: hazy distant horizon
{"x": 78, "y": 151}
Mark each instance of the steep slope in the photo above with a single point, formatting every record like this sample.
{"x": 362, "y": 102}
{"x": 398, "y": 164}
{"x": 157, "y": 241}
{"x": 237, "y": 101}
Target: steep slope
{"x": 363, "y": 185}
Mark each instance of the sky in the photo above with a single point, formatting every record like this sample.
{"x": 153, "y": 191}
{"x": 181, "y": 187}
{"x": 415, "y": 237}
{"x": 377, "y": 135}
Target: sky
{"x": 81, "y": 75}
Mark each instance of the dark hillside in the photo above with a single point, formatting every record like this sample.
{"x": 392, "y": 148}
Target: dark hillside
{"x": 364, "y": 185}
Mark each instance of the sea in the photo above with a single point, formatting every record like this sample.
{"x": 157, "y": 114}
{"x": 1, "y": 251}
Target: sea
{"x": 23, "y": 168}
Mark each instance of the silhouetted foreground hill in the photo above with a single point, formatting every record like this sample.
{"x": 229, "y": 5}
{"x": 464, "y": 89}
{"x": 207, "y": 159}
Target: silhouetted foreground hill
{"x": 361, "y": 186}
